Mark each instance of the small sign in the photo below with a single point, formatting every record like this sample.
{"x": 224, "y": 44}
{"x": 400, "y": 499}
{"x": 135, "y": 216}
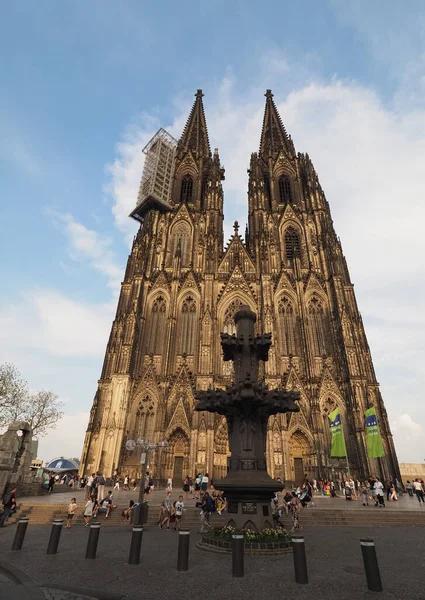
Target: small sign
{"x": 232, "y": 508}
{"x": 249, "y": 508}
{"x": 143, "y": 458}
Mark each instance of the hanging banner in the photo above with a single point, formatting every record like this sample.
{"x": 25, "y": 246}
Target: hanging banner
{"x": 337, "y": 433}
{"x": 375, "y": 448}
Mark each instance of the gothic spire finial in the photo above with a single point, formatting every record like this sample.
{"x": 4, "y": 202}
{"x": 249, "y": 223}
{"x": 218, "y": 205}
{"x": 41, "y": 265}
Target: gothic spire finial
{"x": 195, "y": 133}
{"x": 274, "y": 138}
{"x": 236, "y": 227}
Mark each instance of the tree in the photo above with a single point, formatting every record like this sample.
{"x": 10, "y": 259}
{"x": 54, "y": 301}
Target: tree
{"x": 41, "y": 410}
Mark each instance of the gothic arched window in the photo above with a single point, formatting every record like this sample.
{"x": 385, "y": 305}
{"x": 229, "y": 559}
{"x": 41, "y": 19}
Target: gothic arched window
{"x": 157, "y": 324}
{"x": 181, "y": 242}
{"x": 186, "y": 189}
{"x": 188, "y": 327}
{"x": 229, "y": 325}
{"x": 318, "y": 326}
{"x": 144, "y": 426}
{"x": 287, "y": 326}
{"x": 285, "y": 194}
{"x": 292, "y": 244}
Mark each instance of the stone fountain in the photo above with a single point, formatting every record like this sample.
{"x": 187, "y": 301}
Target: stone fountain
{"x": 247, "y": 406}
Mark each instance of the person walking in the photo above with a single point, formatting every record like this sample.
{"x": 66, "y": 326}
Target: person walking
{"x": 379, "y": 490}
{"x": 51, "y": 483}
{"x": 417, "y": 486}
{"x": 393, "y": 492}
{"x": 117, "y": 484}
{"x": 206, "y": 510}
{"x": 125, "y": 486}
{"x": 169, "y": 484}
{"x": 88, "y": 509}
{"x": 72, "y": 507}
{"x": 167, "y": 511}
{"x": 178, "y": 508}
{"x": 295, "y": 507}
{"x": 186, "y": 487}
{"x": 205, "y": 480}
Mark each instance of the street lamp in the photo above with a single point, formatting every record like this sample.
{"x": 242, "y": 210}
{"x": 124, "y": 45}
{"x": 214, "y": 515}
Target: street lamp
{"x": 139, "y": 515}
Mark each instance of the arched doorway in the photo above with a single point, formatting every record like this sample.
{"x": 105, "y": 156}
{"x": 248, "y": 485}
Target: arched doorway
{"x": 177, "y": 457}
{"x": 299, "y": 456}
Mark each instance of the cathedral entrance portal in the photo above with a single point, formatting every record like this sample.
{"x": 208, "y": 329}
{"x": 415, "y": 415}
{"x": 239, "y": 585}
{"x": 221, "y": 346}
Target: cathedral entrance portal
{"x": 299, "y": 451}
{"x": 177, "y": 461}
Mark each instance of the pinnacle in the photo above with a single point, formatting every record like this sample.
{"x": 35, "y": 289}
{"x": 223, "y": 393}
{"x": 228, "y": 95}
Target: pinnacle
{"x": 274, "y": 138}
{"x": 195, "y": 133}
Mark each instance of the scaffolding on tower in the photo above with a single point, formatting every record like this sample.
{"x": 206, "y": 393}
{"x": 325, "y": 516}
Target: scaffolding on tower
{"x": 157, "y": 178}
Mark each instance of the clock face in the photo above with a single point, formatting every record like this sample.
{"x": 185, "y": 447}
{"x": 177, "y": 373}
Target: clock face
{"x": 130, "y": 445}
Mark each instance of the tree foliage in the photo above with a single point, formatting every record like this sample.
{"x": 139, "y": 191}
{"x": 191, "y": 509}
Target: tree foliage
{"x": 41, "y": 410}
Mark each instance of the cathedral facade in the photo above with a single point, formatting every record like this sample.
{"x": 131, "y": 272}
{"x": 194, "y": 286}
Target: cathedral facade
{"x": 182, "y": 288}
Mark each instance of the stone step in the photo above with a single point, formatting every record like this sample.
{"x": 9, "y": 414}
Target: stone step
{"x": 45, "y": 513}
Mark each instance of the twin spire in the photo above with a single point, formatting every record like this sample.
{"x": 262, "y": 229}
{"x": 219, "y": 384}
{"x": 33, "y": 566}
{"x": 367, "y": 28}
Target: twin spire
{"x": 274, "y": 138}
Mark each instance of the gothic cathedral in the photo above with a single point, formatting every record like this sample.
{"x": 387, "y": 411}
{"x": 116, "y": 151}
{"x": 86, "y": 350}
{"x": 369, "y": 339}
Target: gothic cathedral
{"x": 181, "y": 289}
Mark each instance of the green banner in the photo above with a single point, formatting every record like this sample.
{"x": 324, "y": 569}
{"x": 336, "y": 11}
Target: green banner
{"x": 375, "y": 449}
{"x": 337, "y": 433}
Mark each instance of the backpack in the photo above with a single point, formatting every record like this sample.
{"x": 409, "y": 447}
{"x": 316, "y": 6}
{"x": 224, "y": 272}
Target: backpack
{"x": 211, "y": 504}
{"x": 150, "y": 482}
{"x": 7, "y": 498}
{"x": 102, "y": 481}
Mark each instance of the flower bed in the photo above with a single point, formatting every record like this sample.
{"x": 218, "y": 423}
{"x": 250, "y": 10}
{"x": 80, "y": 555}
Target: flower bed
{"x": 268, "y": 541}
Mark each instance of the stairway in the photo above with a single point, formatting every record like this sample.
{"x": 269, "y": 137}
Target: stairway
{"x": 41, "y": 514}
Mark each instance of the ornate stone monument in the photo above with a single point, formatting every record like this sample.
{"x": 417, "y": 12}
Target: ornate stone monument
{"x": 15, "y": 460}
{"x": 247, "y": 406}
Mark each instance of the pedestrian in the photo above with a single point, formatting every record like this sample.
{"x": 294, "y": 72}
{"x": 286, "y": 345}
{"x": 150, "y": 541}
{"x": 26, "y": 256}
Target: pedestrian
{"x": 364, "y": 493}
{"x": 295, "y": 507}
{"x": 169, "y": 484}
{"x": 205, "y": 480}
{"x": 417, "y": 486}
{"x": 101, "y": 482}
{"x": 148, "y": 483}
{"x": 72, "y": 507}
{"x": 51, "y": 483}
{"x": 125, "y": 486}
{"x": 117, "y": 484}
{"x": 207, "y": 507}
{"x": 197, "y": 487}
{"x": 186, "y": 487}
{"x": 89, "y": 509}
{"x": 167, "y": 511}
{"x": 9, "y": 506}
{"x": 379, "y": 490}
{"x": 178, "y": 509}
{"x": 409, "y": 488}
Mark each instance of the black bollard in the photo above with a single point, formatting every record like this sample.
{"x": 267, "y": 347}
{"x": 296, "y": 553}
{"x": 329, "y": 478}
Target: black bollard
{"x": 238, "y": 555}
{"x": 93, "y": 540}
{"x": 135, "y": 546}
{"x": 373, "y": 577}
{"x": 300, "y": 562}
{"x": 183, "y": 550}
{"x": 55, "y": 534}
{"x": 18, "y": 540}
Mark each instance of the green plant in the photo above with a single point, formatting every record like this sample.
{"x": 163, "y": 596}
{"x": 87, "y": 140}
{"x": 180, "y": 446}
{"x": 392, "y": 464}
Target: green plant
{"x": 225, "y": 532}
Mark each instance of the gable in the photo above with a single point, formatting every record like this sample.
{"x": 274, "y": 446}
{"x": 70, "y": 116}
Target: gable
{"x": 236, "y": 255}
{"x": 237, "y": 282}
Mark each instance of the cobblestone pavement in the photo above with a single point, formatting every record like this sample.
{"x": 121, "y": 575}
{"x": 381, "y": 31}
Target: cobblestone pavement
{"x": 333, "y": 556}
{"x": 52, "y": 594}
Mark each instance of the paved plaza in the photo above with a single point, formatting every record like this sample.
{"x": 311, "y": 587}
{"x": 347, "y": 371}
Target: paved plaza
{"x": 333, "y": 556}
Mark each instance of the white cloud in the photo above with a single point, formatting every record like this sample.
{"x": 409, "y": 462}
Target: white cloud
{"x": 66, "y": 439}
{"x": 409, "y": 439}
{"x": 48, "y": 321}
{"x": 91, "y": 246}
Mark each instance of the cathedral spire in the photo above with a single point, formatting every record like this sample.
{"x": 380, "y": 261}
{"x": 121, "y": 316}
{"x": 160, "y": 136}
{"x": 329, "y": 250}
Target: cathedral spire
{"x": 274, "y": 138}
{"x": 195, "y": 134}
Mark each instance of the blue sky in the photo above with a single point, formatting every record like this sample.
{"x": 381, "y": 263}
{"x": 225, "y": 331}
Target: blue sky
{"x": 84, "y": 86}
